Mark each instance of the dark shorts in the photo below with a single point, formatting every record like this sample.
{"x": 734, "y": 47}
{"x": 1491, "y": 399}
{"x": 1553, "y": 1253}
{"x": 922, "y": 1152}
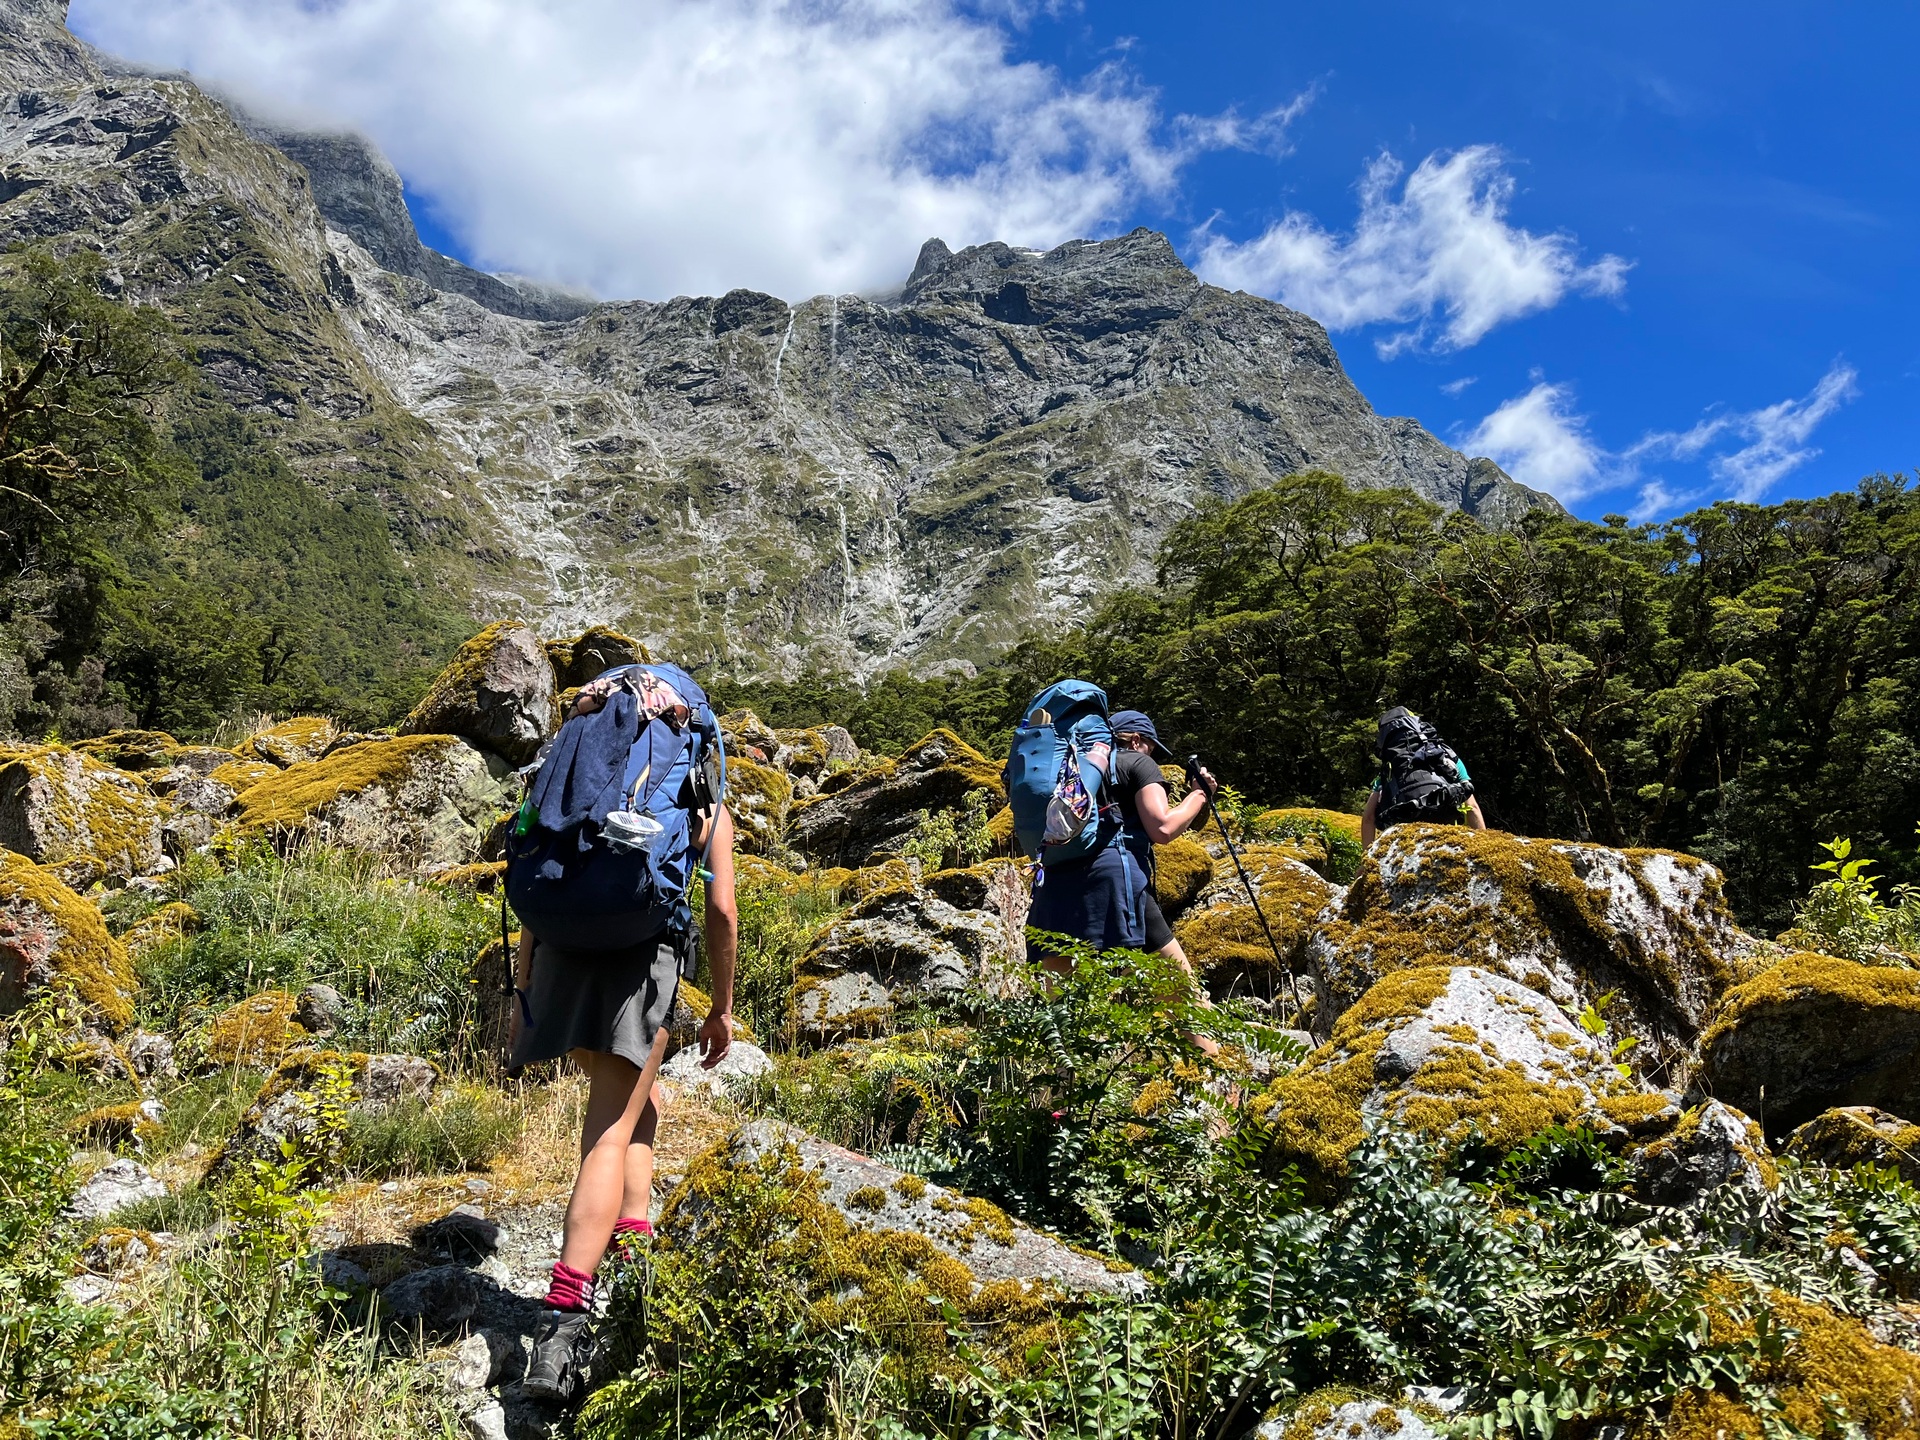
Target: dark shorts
{"x": 1097, "y": 900}
{"x": 614, "y": 1002}
{"x": 1159, "y": 933}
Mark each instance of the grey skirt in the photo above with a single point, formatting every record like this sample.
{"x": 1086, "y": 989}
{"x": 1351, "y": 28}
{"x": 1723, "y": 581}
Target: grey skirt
{"x": 612, "y": 1001}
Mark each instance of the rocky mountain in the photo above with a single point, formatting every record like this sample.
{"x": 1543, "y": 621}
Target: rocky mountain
{"x": 851, "y": 482}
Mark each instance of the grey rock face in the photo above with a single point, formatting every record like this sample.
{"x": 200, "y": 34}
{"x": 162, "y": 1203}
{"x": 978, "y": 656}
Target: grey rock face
{"x": 435, "y": 1302}
{"x": 321, "y": 1009}
{"x": 498, "y": 694}
{"x": 360, "y": 193}
{"x": 873, "y": 813}
{"x": 113, "y": 1188}
{"x": 743, "y": 1060}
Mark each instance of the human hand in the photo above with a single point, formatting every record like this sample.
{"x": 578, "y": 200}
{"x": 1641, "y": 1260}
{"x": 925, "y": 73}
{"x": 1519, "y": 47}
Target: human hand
{"x": 1203, "y": 777}
{"x": 716, "y": 1038}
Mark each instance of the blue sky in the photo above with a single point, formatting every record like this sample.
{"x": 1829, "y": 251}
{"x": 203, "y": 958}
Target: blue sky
{"x": 1647, "y": 256}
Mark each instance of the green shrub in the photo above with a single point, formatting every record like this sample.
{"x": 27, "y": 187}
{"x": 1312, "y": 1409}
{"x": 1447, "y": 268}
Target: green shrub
{"x": 398, "y": 951}
{"x": 1844, "y": 915}
{"x": 778, "y": 923}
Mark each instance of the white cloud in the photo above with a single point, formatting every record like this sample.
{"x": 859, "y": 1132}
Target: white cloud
{"x": 1443, "y": 248}
{"x": 1457, "y": 387}
{"x": 1540, "y": 440}
{"x": 655, "y": 147}
{"x": 1776, "y": 437}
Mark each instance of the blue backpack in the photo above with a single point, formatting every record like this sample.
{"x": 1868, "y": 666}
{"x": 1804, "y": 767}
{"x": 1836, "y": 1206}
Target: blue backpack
{"x": 600, "y": 856}
{"x": 1062, "y": 799}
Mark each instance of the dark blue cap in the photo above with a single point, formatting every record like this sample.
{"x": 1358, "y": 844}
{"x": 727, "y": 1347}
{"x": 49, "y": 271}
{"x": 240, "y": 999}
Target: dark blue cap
{"x": 1132, "y": 722}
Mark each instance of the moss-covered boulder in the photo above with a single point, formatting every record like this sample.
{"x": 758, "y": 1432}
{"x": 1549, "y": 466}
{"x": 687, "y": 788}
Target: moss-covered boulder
{"x": 878, "y": 810}
{"x": 810, "y": 753}
{"x": 592, "y": 653}
{"x": 304, "y": 737}
{"x": 51, "y": 939}
{"x": 1711, "y": 1146}
{"x": 498, "y": 694}
{"x": 136, "y": 750}
{"x": 1850, "y": 1135}
{"x": 258, "y": 1031}
{"x": 899, "y": 942}
{"x": 92, "y": 821}
{"x": 757, "y": 797}
{"x": 858, "y": 1204}
{"x": 1343, "y": 1416}
{"x": 1573, "y": 920}
{"x": 425, "y": 802}
{"x": 1182, "y": 870}
{"x": 1459, "y": 1053}
{"x": 1813, "y": 1032}
{"x": 749, "y": 737}
{"x": 1222, "y": 934}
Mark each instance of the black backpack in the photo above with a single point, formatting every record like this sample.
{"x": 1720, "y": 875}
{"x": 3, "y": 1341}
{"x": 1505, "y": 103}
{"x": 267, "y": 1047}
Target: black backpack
{"x": 1420, "y": 777}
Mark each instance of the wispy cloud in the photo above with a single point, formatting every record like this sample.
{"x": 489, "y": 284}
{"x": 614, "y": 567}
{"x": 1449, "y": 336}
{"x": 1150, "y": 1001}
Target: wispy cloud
{"x": 1438, "y": 256}
{"x": 1542, "y": 440}
{"x": 655, "y": 147}
{"x": 1457, "y": 387}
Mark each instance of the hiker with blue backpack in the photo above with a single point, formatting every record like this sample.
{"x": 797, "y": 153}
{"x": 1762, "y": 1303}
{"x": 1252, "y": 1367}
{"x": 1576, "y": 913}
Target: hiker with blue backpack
{"x": 1089, "y": 804}
{"x": 626, "y": 809}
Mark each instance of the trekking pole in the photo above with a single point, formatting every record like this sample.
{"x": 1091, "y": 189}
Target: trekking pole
{"x": 1253, "y": 896}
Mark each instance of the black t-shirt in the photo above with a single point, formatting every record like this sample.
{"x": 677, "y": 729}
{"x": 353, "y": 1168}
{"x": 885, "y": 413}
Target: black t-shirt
{"x": 1133, "y": 772}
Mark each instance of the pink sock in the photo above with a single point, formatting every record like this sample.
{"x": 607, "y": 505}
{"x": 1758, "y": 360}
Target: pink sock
{"x": 570, "y": 1289}
{"x": 627, "y": 1225}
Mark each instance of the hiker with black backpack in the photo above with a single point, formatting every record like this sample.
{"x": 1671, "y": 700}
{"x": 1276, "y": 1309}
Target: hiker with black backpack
{"x": 626, "y": 810}
{"x": 1422, "y": 780}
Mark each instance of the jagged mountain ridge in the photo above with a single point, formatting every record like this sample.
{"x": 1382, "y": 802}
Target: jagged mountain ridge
{"x": 844, "y": 482}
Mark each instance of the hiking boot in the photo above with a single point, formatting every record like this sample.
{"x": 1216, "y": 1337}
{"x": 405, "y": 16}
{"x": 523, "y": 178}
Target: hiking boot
{"x": 562, "y": 1347}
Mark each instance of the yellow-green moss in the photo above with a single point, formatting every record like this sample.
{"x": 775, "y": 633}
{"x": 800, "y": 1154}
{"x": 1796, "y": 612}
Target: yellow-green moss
{"x": 1182, "y": 868}
{"x": 1000, "y": 827}
{"x": 893, "y": 877}
{"x": 758, "y": 797}
{"x": 481, "y": 878}
{"x": 592, "y": 653}
{"x": 305, "y": 737}
{"x": 37, "y": 910}
{"x": 114, "y": 1125}
{"x": 242, "y": 774}
{"x": 1228, "y": 936}
{"x": 1855, "y": 1135}
{"x": 176, "y": 917}
{"x": 1315, "y": 1111}
{"x": 257, "y": 1031}
{"x": 1808, "y": 975}
{"x": 1337, "y": 820}
{"x": 910, "y": 1187}
{"x": 807, "y": 751}
{"x": 131, "y": 749}
{"x": 868, "y": 1197}
{"x": 1754, "y": 1149}
{"x": 1831, "y": 1363}
{"x": 460, "y": 681}
{"x": 287, "y": 800}
{"x": 979, "y": 772}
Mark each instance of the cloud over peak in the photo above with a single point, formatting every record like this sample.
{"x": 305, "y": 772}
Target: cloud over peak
{"x": 655, "y": 147}
{"x": 1438, "y": 257}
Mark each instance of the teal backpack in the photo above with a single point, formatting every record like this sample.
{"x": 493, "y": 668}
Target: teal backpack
{"x": 1059, "y": 781}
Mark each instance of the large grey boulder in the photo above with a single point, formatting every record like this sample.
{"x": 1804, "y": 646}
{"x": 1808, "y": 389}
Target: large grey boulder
{"x": 1462, "y": 1054}
{"x": 870, "y": 1197}
{"x": 1850, "y": 1135}
{"x": 900, "y": 942}
{"x": 1813, "y": 1032}
{"x": 498, "y": 694}
{"x": 1575, "y": 921}
{"x": 743, "y": 1061}
{"x": 1713, "y": 1146}
{"x": 874, "y": 811}
{"x": 87, "y": 819}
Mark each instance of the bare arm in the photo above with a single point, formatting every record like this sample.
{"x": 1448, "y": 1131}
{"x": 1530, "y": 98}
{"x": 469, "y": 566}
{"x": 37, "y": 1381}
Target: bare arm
{"x": 723, "y": 942}
{"x": 1474, "y": 818}
{"x": 1368, "y": 827}
{"x": 1163, "y": 822}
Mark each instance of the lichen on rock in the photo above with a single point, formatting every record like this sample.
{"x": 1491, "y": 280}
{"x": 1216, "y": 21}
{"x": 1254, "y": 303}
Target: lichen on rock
{"x": 1713, "y": 1145}
{"x": 757, "y": 798}
{"x": 1182, "y": 870}
{"x": 68, "y": 810}
{"x": 1574, "y": 920}
{"x": 1851, "y": 1135}
{"x": 878, "y": 808}
{"x": 304, "y": 737}
{"x": 592, "y": 653}
{"x": 51, "y": 939}
{"x": 1223, "y": 936}
{"x": 498, "y": 695}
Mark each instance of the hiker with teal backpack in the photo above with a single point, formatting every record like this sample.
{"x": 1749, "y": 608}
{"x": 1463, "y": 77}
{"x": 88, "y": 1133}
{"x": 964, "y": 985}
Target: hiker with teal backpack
{"x": 1089, "y": 804}
{"x": 626, "y": 810}
{"x": 1421, "y": 780}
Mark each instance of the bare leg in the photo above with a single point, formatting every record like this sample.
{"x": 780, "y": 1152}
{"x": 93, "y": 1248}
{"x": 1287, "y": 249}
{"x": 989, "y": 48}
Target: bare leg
{"x": 638, "y": 1196}
{"x": 1206, "y": 1045}
{"x": 617, "y": 1096}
